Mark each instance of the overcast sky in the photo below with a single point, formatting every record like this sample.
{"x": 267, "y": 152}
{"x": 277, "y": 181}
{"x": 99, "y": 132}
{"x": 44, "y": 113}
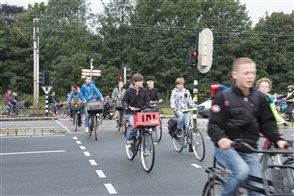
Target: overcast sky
{"x": 256, "y": 8}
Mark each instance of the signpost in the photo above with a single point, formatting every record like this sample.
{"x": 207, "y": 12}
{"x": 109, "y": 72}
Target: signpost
{"x": 90, "y": 72}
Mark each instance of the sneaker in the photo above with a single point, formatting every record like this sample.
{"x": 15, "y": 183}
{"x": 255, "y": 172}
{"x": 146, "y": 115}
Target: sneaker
{"x": 190, "y": 148}
{"x": 87, "y": 130}
{"x": 179, "y": 133}
{"x": 129, "y": 143}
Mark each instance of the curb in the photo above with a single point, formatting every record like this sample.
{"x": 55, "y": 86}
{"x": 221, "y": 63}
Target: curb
{"x": 27, "y": 132}
{"x": 28, "y": 118}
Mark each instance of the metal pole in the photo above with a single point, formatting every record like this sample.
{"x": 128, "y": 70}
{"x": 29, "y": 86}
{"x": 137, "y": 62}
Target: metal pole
{"x": 47, "y": 102}
{"x": 91, "y": 68}
{"x": 125, "y": 74}
{"x": 36, "y": 61}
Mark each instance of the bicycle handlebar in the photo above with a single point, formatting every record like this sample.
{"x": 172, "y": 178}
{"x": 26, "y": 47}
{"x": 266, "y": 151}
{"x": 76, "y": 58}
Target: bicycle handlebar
{"x": 241, "y": 143}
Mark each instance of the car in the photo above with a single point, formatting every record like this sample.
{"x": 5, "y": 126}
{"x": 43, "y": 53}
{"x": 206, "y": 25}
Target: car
{"x": 204, "y": 108}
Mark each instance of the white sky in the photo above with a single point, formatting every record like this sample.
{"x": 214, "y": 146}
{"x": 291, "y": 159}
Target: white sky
{"x": 256, "y": 8}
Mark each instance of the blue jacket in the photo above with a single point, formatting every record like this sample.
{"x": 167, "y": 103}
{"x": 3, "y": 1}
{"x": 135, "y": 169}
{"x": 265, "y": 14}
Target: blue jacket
{"x": 73, "y": 95}
{"x": 89, "y": 91}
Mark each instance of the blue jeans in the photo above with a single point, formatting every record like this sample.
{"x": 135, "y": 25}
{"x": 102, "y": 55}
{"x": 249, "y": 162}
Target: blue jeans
{"x": 132, "y": 132}
{"x": 183, "y": 120}
{"x": 53, "y": 105}
{"x": 241, "y": 166}
{"x": 10, "y": 107}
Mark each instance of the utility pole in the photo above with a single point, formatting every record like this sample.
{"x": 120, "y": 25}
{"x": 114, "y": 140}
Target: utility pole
{"x": 36, "y": 34}
{"x": 91, "y": 68}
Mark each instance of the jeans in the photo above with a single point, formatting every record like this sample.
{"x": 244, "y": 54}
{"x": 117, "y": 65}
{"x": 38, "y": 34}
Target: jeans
{"x": 132, "y": 132}
{"x": 241, "y": 166}
{"x": 183, "y": 120}
{"x": 53, "y": 105}
{"x": 10, "y": 107}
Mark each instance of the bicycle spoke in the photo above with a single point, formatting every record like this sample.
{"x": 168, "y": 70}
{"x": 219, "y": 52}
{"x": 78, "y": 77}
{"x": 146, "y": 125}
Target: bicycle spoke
{"x": 147, "y": 152}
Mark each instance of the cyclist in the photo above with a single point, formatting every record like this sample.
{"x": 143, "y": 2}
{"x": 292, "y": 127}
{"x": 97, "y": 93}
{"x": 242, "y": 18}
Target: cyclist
{"x": 136, "y": 96}
{"x": 88, "y": 93}
{"x": 290, "y": 101}
{"x": 74, "y": 94}
{"x": 52, "y": 100}
{"x": 179, "y": 101}
{"x": 241, "y": 117}
{"x": 117, "y": 95}
{"x": 152, "y": 92}
{"x": 8, "y": 100}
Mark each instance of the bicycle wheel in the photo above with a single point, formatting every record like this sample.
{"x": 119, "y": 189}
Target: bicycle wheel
{"x": 178, "y": 144}
{"x": 76, "y": 121}
{"x": 147, "y": 151}
{"x": 100, "y": 119}
{"x": 95, "y": 126}
{"x": 120, "y": 120}
{"x": 198, "y": 144}
{"x": 213, "y": 187}
{"x": 158, "y": 132}
{"x": 131, "y": 150}
{"x": 23, "y": 113}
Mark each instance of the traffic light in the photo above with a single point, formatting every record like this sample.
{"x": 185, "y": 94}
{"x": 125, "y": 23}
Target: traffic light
{"x": 47, "y": 78}
{"x": 193, "y": 57}
{"x": 41, "y": 78}
{"x": 205, "y": 48}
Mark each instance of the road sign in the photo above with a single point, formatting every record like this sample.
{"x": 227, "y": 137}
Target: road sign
{"x": 87, "y": 72}
{"x": 46, "y": 89}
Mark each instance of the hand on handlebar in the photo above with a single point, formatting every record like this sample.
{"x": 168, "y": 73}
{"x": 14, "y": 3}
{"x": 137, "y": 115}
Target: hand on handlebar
{"x": 225, "y": 143}
{"x": 283, "y": 145}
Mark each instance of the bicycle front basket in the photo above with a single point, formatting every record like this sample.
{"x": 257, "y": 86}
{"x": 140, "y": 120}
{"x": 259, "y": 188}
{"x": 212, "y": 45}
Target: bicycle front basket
{"x": 95, "y": 107}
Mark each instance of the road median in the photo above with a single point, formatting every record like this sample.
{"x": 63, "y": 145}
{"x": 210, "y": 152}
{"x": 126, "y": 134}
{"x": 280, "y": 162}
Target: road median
{"x": 28, "y": 131}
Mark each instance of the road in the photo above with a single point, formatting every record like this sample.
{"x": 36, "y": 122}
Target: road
{"x": 76, "y": 164}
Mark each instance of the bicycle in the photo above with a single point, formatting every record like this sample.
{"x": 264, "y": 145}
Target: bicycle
{"x": 194, "y": 138}
{"x": 157, "y": 131}
{"x": 144, "y": 122}
{"x": 282, "y": 182}
{"x": 75, "y": 108}
{"x": 121, "y": 125}
{"x": 95, "y": 111}
{"x": 61, "y": 111}
{"x": 19, "y": 110}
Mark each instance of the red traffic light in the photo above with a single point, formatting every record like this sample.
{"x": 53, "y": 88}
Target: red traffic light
{"x": 195, "y": 53}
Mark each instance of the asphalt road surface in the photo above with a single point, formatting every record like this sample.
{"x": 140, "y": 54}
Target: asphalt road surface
{"x": 76, "y": 164}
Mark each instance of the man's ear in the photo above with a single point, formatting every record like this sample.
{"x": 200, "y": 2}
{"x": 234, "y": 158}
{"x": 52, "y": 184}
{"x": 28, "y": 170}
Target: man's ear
{"x": 234, "y": 75}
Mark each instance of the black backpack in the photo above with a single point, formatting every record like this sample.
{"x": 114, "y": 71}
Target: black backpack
{"x": 172, "y": 126}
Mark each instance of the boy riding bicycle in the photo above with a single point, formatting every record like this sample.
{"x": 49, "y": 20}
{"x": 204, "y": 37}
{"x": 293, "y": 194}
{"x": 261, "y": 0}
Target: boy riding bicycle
{"x": 136, "y": 97}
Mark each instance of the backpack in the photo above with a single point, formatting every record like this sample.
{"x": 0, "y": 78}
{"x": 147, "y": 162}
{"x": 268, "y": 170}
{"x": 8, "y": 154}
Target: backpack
{"x": 172, "y": 127}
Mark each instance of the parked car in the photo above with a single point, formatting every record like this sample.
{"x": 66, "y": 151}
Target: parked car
{"x": 204, "y": 108}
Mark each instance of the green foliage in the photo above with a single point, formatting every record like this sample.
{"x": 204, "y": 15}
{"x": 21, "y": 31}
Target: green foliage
{"x": 151, "y": 37}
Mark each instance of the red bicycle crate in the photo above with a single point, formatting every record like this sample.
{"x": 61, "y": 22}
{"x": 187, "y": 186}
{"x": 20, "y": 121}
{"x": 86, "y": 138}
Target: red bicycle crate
{"x": 150, "y": 119}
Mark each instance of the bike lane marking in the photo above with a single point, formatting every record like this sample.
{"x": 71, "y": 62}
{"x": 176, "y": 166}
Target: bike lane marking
{"x": 111, "y": 190}
{"x": 195, "y": 165}
{"x": 64, "y": 127}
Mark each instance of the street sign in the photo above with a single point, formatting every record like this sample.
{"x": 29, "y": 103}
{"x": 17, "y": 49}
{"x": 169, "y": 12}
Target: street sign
{"x": 87, "y": 72}
{"x": 46, "y": 89}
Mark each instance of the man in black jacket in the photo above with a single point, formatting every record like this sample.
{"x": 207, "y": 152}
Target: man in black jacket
{"x": 241, "y": 113}
{"x": 135, "y": 98}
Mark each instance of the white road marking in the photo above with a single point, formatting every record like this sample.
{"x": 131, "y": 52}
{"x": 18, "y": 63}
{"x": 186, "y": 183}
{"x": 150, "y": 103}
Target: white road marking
{"x": 87, "y": 154}
{"x": 83, "y": 147}
{"x": 75, "y": 138}
{"x": 25, "y": 136}
{"x": 93, "y": 162}
{"x": 207, "y": 137}
{"x": 64, "y": 127}
{"x": 78, "y": 142}
{"x": 195, "y": 165}
{"x": 31, "y": 152}
{"x": 100, "y": 173}
{"x": 110, "y": 188}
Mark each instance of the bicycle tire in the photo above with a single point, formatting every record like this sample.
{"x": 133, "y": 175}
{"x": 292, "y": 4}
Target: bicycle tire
{"x": 91, "y": 120}
{"x": 158, "y": 132}
{"x": 178, "y": 144}
{"x": 120, "y": 120}
{"x": 100, "y": 119}
{"x": 214, "y": 186}
{"x": 147, "y": 151}
{"x": 95, "y": 126}
{"x": 198, "y": 144}
{"x": 76, "y": 121}
{"x": 23, "y": 113}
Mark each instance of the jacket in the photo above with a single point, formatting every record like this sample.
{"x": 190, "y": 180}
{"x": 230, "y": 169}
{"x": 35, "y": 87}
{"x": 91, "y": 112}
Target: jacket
{"x": 153, "y": 95}
{"x": 73, "y": 95}
{"x": 242, "y": 117}
{"x": 180, "y": 99}
{"x": 89, "y": 91}
{"x": 117, "y": 94}
{"x": 137, "y": 98}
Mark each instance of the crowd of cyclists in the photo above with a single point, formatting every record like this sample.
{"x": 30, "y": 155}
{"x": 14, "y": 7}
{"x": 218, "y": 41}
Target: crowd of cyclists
{"x": 242, "y": 112}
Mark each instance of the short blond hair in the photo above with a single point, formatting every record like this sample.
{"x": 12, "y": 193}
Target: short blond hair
{"x": 150, "y": 82}
{"x": 180, "y": 81}
{"x": 240, "y": 61}
{"x": 264, "y": 80}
